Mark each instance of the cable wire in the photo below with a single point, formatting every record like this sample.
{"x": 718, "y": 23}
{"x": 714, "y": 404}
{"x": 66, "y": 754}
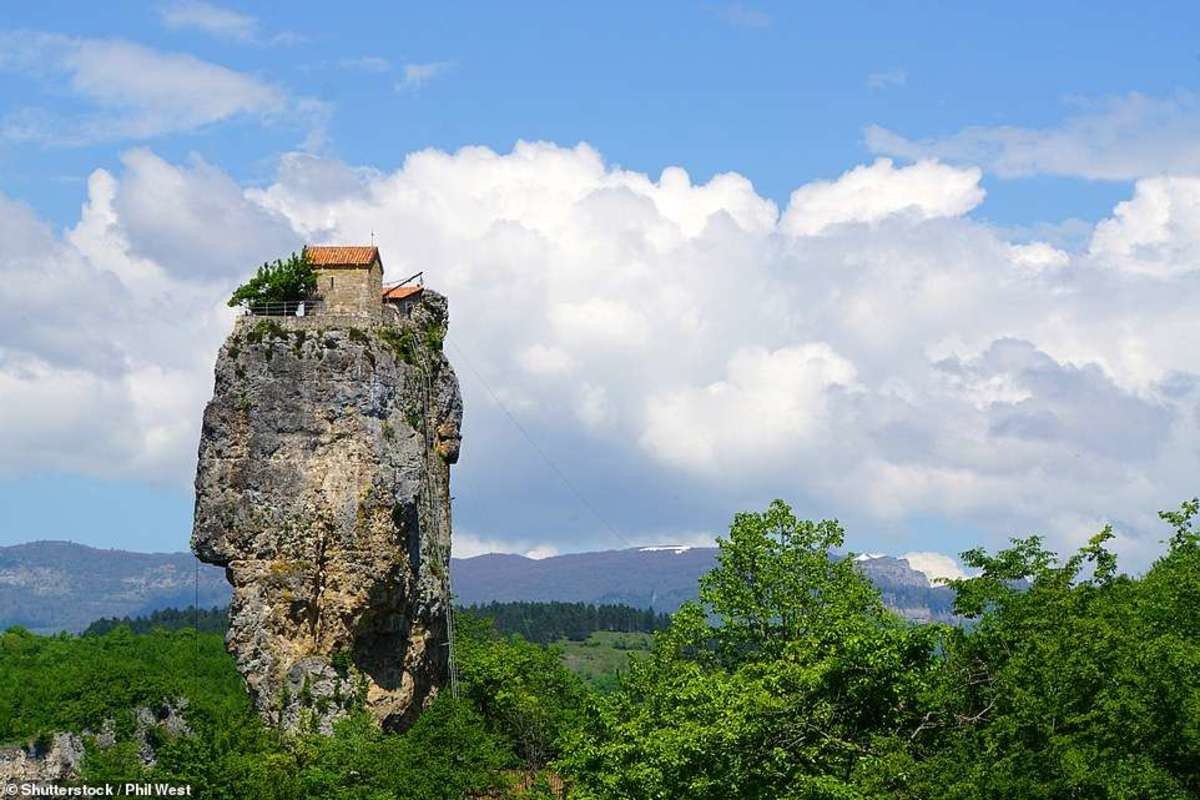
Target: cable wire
{"x": 562, "y": 476}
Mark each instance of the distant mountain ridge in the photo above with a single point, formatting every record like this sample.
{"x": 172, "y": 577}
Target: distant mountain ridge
{"x": 52, "y": 586}
{"x": 659, "y": 577}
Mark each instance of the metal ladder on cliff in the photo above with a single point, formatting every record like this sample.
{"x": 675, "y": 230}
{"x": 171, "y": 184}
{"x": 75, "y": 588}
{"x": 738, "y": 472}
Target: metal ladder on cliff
{"x": 427, "y": 487}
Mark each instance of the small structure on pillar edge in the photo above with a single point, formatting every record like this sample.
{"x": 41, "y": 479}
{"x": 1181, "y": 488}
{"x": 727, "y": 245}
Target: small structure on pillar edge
{"x": 350, "y": 284}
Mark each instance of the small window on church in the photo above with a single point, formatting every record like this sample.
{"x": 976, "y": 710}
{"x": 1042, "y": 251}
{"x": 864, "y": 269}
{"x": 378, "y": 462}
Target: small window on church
{"x": 331, "y": 283}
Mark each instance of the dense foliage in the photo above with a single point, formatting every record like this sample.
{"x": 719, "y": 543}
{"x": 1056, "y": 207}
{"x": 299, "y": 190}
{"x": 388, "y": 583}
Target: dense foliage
{"x": 522, "y": 690}
{"x": 1070, "y": 681}
{"x": 541, "y": 622}
{"x": 784, "y": 694}
{"x": 789, "y": 679}
{"x": 205, "y": 620}
{"x": 518, "y": 701}
{"x": 1082, "y": 682}
{"x": 64, "y": 682}
{"x": 546, "y": 622}
{"x": 278, "y": 282}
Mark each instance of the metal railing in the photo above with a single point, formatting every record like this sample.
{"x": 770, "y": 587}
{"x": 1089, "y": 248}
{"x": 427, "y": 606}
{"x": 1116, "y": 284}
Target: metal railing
{"x": 288, "y": 308}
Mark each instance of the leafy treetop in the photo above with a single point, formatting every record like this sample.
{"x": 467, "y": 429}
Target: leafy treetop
{"x": 281, "y": 282}
{"x": 790, "y": 681}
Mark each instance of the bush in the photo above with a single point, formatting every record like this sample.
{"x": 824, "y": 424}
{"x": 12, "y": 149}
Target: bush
{"x": 68, "y": 683}
{"x": 524, "y": 693}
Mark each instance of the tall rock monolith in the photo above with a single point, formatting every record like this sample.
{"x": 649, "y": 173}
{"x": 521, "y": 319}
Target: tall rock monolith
{"x": 322, "y": 488}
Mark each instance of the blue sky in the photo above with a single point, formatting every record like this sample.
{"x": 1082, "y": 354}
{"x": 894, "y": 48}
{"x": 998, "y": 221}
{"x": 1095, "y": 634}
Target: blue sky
{"x": 1042, "y": 118}
{"x": 779, "y": 93}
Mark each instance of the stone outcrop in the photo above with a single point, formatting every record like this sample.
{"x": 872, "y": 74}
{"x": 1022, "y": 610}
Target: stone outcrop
{"x": 58, "y": 759}
{"x": 166, "y": 720}
{"x": 323, "y": 489}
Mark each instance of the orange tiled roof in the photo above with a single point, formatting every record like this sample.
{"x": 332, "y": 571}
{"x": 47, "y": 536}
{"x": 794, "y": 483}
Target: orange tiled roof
{"x": 341, "y": 256}
{"x": 400, "y": 292}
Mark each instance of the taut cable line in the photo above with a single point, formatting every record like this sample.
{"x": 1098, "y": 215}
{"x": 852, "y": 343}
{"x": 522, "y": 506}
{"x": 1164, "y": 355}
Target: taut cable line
{"x": 562, "y": 476}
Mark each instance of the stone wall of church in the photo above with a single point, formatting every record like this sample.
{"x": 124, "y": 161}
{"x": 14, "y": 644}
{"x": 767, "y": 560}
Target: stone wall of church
{"x": 355, "y": 292}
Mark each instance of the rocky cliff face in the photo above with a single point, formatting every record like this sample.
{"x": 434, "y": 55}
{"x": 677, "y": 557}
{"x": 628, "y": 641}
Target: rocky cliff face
{"x": 323, "y": 489}
{"x": 58, "y": 759}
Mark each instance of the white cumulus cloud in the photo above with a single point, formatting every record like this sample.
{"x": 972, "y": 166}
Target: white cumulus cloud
{"x": 934, "y": 565}
{"x": 679, "y": 351}
{"x": 770, "y": 404}
{"x": 1156, "y": 232}
{"x": 869, "y": 194}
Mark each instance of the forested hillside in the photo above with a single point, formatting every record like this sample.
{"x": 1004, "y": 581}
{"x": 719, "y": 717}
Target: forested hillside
{"x": 52, "y": 586}
{"x": 789, "y": 678}
{"x": 549, "y": 622}
{"x": 205, "y": 620}
{"x": 536, "y": 622}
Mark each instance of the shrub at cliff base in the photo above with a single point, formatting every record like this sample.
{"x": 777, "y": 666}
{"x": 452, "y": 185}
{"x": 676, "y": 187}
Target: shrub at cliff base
{"x": 518, "y": 700}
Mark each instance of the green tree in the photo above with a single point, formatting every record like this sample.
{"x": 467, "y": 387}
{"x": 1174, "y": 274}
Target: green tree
{"x": 446, "y": 755}
{"x": 282, "y": 281}
{"x": 546, "y": 622}
{"x": 799, "y": 681}
{"x": 522, "y": 690}
{"x": 775, "y": 585}
{"x": 1071, "y": 680}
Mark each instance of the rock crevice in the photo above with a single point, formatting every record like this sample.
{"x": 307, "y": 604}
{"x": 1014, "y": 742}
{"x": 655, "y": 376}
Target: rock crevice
{"x": 322, "y": 488}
